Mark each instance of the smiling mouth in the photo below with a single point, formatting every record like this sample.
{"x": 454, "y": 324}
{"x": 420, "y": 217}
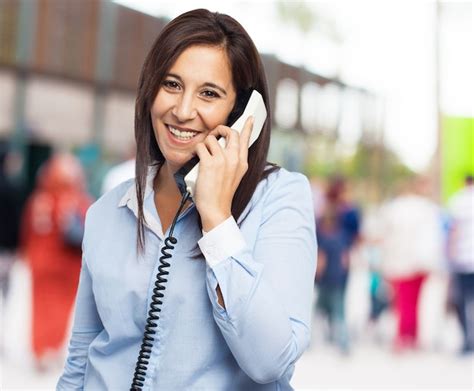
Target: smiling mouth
{"x": 182, "y": 134}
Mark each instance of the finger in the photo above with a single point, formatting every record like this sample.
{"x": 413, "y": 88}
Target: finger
{"x": 202, "y": 152}
{"x": 213, "y": 146}
{"x": 233, "y": 140}
{"x": 247, "y": 131}
{"x": 245, "y": 138}
{"x": 231, "y": 136}
{"x": 220, "y": 130}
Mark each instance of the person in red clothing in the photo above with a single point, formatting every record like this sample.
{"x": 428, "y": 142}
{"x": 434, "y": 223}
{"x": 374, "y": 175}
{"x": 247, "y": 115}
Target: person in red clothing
{"x": 53, "y": 224}
{"x": 412, "y": 247}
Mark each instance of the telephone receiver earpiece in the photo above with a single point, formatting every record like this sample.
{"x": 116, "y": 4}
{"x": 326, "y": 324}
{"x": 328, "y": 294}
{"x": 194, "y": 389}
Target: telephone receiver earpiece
{"x": 186, "y": 177}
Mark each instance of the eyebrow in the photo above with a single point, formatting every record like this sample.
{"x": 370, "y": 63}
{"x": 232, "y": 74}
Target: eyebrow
{"x": 207, "y": 84}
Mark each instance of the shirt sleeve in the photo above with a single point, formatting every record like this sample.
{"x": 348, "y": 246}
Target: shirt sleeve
{"x": 87, "y": 325}
{"x": 221, "y": 242}
{"x": 267, "y": 289}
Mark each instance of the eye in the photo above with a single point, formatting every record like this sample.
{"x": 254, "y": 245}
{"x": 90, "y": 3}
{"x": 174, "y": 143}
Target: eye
{"x": 210, "y": 94}
{"x": 171, "y": 84}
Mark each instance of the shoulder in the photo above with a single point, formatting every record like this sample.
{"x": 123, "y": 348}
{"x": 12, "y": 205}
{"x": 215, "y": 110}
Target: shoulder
{"x": 284, "y": 180}
{"x": 283, "y": 188}
{"x": 109, "y": 203}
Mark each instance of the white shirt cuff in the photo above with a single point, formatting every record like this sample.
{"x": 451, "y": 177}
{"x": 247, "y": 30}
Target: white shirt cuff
{"x": 221, "y": 242}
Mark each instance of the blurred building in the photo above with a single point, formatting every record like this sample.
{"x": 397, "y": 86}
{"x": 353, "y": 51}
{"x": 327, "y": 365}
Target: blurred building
{"x": 69, "y": 69}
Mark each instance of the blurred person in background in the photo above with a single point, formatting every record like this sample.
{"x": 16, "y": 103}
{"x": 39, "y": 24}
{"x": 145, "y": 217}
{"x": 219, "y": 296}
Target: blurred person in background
{"x": 379, "y": 292}
{"x": 461, "y": 257}
{"x": 412, "y": 248}
{"x": 317, "y": 191}
{"x": 11, "y": 198}
{"x": 52, "y": 231}
{"x": 337, "y": 230}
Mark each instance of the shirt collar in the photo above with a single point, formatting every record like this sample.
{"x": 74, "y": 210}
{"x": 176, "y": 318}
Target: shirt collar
{"x": 131, "y": 194}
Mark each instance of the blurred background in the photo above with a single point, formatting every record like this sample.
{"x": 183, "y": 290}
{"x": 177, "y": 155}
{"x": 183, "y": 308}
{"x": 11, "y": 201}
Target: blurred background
{"x": 373, "y": 101}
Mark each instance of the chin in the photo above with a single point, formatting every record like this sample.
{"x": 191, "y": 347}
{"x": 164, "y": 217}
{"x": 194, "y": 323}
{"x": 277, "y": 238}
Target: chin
{"x": 175, "y": 162}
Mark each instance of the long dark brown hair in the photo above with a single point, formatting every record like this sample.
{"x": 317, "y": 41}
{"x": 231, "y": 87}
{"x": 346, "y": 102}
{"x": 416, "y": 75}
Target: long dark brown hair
{"x": 201, "y": 27}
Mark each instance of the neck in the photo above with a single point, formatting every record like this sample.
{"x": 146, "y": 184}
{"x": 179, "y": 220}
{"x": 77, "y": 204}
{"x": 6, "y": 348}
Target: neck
{"x": 164, "y": 182}
{"x": 167, "y": 195}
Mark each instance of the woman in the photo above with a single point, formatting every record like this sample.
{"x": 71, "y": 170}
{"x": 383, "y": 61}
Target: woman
{"x": 237, "y": 315}
{"x": 53, "y": 224}
{"x": 338, "y": 229}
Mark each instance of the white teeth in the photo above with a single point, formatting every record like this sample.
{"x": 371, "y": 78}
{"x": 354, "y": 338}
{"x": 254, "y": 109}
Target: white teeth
{"x": 182, "y": 134}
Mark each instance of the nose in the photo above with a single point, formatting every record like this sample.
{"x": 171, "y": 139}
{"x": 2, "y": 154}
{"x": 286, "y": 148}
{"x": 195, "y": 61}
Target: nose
{"x": 185, "y": 108}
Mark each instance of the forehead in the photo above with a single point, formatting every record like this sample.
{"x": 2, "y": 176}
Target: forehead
{"x": 203, "y": 64}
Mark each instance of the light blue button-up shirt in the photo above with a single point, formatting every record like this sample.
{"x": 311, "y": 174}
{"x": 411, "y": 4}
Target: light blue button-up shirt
{"x": 265, "y": 269}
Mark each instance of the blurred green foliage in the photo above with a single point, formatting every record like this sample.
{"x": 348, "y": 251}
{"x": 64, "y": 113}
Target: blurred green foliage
{"x": 305, "y": 17}
{"x": 375, "y": 170}
{"x": 457, "y": 156}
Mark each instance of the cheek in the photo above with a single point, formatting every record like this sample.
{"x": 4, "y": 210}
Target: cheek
{"x": 214, "y": 116}
{"x": 159, "y": 107}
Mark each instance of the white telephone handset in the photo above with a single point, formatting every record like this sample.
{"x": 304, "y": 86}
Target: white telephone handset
{"x": 256, "y": 108}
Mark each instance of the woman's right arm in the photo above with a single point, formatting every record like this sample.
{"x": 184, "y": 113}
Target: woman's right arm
{"x": 87, "y": 325}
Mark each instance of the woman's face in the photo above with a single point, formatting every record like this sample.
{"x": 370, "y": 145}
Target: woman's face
{"x": 196, "y": 95}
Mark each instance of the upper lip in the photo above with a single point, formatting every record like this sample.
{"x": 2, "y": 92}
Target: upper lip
{"x": 183, "y": 129}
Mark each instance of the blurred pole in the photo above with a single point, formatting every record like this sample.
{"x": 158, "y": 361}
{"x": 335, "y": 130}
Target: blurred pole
{"x": 104, "y": 67}
{"x": 383, "y": 171}
{"x": 437, "y": 60}
{"x": 24, "y": 50}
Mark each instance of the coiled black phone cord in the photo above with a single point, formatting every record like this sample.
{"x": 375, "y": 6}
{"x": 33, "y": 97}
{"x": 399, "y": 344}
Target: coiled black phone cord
{"x": 155, "y": 304}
